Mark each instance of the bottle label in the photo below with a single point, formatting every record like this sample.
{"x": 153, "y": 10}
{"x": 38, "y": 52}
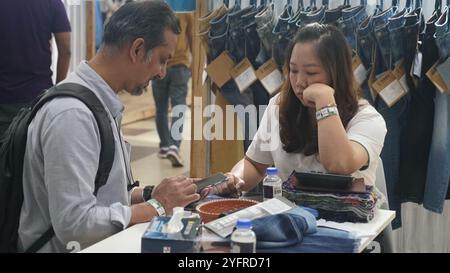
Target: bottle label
{"x": 237, "y": 247}
{"x": 268, "y": 192}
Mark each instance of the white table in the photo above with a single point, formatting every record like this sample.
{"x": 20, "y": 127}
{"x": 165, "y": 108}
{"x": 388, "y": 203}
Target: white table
{"x": 129, "y": 240}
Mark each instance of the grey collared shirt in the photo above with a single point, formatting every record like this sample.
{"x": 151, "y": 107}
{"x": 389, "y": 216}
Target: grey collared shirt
{"x": 61, "y": 161}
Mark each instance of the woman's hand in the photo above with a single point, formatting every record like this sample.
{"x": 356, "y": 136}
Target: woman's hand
{"x": 231, "y": 188}
{"x": 317, "y": 92}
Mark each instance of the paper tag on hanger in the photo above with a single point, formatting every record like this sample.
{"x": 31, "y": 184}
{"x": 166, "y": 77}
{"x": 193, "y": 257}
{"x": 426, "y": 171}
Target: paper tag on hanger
{"x": 219, "y": 70}
{"x": 270, "y": 77}
{"x": 389, "y": 88}
{"x": 444, "y": 71}
{"x": 400, "y": 74}
{"x": 359, "y": 70}
{"x": 436, "y": 79}
{"x": 244, "y": 75}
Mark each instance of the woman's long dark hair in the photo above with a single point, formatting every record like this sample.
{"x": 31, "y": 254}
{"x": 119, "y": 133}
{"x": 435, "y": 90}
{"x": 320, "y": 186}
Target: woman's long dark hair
{"x": 298, "y": 130}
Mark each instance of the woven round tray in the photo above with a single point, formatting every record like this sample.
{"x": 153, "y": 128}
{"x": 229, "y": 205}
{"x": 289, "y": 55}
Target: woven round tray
{"x": 212, "y": 209}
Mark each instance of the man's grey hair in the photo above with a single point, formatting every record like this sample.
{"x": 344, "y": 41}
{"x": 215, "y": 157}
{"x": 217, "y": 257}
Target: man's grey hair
{"x": 146, "y": 19}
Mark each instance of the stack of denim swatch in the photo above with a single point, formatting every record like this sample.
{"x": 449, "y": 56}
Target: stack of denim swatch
{"x": 334, "y": 206}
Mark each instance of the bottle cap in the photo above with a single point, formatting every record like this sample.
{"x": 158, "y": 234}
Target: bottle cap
{"x": 272, "y": 171}
{"x": 244, "y": 223}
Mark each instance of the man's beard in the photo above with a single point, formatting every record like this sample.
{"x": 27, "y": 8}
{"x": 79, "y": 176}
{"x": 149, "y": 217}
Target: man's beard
{"x": 137, "y": 91}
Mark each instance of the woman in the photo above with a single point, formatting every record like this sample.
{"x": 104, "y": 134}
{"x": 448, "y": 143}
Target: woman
{"x": 318, "y": 121}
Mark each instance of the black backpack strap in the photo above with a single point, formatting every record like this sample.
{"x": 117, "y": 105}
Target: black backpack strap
{"x": 107, "y": 150}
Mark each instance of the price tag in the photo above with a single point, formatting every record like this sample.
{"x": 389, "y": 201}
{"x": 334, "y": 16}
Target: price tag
{"x": 389, "y": 88}
{"x": 219, "y": 70}
{"x": 444, "y": 71}
{"x": 270, "y": 76}
{"x": 435, "y": 77}
{"x": 400, "y": 75}
{"x": 244, "y": 75}
{"x": 359, "y": 70}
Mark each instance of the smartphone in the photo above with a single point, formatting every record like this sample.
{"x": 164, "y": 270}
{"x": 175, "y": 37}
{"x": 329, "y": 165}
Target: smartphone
{"x": 209, "y": 181}
{"x": 324, "y": 180}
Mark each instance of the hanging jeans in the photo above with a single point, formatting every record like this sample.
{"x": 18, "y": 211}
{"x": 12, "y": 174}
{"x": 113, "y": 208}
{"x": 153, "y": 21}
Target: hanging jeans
{"x": 204, "y": 27}
{"x": 415, "y": 148}
{"x": 350, "y": 21}
{"x": 439, "y": 163}
{"x": 396, "y": 38}
{"x": 281, "y": 41}
{"x": 332, "y": 16}
{"x": 443, "y": 34}
{"x": 365, "y": 42}
{"x": 381, "y": 32}
{"x": 264, "y": 26}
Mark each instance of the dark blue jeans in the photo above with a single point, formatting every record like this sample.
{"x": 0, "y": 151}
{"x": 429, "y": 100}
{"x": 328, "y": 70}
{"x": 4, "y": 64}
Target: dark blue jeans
{"x": 173, "y": 87}
{"x": 442, "y": 35}
{"x": 415, "y": 148}
{"x": 350, "y": 21}
{"x": 366, "y": 42}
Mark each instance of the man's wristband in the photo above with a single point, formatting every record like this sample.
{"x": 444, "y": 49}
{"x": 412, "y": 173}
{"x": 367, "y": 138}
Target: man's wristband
{"x": 157, "y": 206}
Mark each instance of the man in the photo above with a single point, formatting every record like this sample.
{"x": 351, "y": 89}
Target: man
{"x": 175, "y": 88}
{"x": 26, "y": 28}
{"x": 63, "y": 144}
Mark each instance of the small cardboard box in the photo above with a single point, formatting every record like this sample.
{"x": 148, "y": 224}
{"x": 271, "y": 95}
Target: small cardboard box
{"x": 156, "y": 240}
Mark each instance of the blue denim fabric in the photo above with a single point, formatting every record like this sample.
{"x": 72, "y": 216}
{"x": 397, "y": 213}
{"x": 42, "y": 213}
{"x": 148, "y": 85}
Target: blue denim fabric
{"x": 413, "y": 23}
{"x": 395, "y": 118}
{"x": 173, "y": 87}
{"x": 381, "y": 30}
{"x": 217, "y": 36}
{"x": 439, "y": 162}
{"x": 365, "y": 42}
{"x": 284, "y": 229}
{"x": 325, "y": 240}
{"x": 313, "y": 17}
{"x": 280, "y": 30}
{"x": 236, "y": 34}
{"x": 252, "y": 42}
{"x": 332, "y": 16}
{"x": 351, "y": 19}
{"x": 265, "y": 24}
{"x": 217, "y": 44}
{"x": 443, "y": 34}
{"x": 397, "y": 37}
{"x": 415, "y": 149}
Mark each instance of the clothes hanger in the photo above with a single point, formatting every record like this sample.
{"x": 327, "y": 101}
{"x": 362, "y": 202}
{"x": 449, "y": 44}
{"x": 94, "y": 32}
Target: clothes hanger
{"x": 438, "y": 7}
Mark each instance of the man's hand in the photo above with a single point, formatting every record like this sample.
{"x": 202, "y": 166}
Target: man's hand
{"x": 177, "y": 191}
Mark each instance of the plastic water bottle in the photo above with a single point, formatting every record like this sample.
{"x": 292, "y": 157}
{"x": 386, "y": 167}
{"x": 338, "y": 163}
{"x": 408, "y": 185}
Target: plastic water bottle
{"x": 272, "y": 184}
{"x": 243, "y": 239}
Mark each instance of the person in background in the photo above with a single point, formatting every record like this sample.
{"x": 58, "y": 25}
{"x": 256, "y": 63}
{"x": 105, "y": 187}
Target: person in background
{"x": 63, "y": 145}
{"x": 174, "y": 88}
{"x": 26, "y": 53}
{"x": 318, "y": 122}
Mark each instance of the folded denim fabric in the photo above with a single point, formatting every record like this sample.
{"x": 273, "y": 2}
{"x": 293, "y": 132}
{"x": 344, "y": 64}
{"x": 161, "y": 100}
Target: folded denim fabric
{"x": 284, "y": 229}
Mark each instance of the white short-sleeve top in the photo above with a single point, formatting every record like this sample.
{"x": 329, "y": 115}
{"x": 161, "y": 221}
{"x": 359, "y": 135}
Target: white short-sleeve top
{"x": 367, "y": 127}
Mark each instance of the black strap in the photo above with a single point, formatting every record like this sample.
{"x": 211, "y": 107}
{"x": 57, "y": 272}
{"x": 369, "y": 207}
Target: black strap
{"x": 106, "y": 137}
